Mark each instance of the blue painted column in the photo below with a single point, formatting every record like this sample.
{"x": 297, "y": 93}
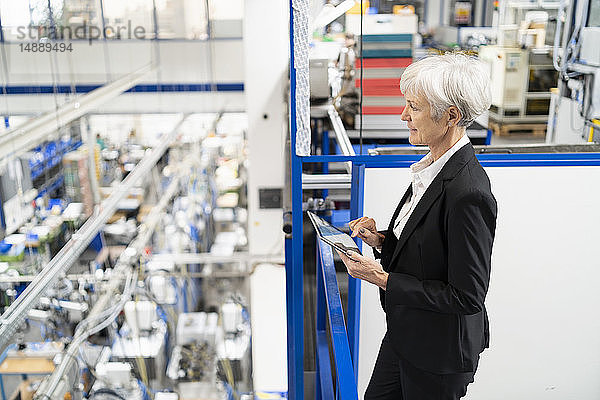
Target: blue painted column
{"x": 356, "y": 211}
{"x": 289, "y": 256}
{"x": 321, "y": 334}
{"x": 325, "y": 152}
{"x": 296, "y": 306}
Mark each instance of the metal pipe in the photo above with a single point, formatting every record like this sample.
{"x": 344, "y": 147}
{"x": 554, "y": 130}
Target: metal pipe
{"x": 499, "y": 149}
{"x": 287, "y": 192}
{"x": 92, "y": 166}
{"x": 16, "y": 313}
{"x": 207, "y": 258}
{"x": 341, "y": 135}
{"x": 90, "y": 277}
{"x": 134, "y": 249}
{"x": 334, "y": 181}
{"x": 59, "y": 375}
{"x": 559, "y": 23}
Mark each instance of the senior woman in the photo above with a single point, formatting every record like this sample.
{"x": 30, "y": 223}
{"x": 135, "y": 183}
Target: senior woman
{"x": 435, "y": 254}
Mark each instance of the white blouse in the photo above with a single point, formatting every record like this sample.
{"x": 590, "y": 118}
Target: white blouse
{"x": 423, "y": 172}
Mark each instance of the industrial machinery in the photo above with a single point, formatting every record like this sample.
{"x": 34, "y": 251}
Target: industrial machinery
{"x": 575, "y": 110}
{"x": 160, "y": 313}
{"x": 521, "y": 84}
{"x": 509, "y": 69}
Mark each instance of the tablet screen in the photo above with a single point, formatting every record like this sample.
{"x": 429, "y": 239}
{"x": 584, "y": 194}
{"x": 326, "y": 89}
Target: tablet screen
{"x": 331, "y": 234}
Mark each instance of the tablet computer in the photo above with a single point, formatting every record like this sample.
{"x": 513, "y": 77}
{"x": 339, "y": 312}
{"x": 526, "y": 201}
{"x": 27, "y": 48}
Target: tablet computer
{"x": 332, "y": 235}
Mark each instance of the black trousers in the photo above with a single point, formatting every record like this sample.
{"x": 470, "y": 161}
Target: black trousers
{"x": 394, "y": 378}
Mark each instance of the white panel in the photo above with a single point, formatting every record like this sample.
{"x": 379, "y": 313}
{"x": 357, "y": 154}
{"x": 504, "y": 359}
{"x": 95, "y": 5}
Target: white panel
{"x": 123, "y": 56}
{"x": 29, "y": 104}
{"x": 265, "y": 44}
{"x": 269, "y": 329}
{"x": 135, "y": 103}
{"x": 432, "y": 13}
{"x": 192, "y": 102}
{"x": 227, "y": 9}
{"x": 265, "y": 93}
{"x": 569, "y": 128}
{"x": 181, "y": 61}
{"x": 543, "y": 299}
{"x": 184, "y": 63}
{"x": 372, "y": 317}
{"x": 30, "y": 68}
{"x": 228, "y": 60}
{"x": 26, "y": 67}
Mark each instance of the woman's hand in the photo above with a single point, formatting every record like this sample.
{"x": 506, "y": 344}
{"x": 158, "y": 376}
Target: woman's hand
{"x": 365, "y": 229}
{"x": 364, "y": 268}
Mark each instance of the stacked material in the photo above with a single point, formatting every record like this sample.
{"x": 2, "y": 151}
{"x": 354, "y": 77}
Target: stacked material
{"x": 384, "y": 59}
{"x": 77, "y": 180}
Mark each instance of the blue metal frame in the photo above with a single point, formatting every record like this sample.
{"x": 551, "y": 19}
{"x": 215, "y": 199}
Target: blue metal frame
{"x": 295, "y": 294}
{"x": 144, "y": 88}
{"x": 324, "y": 382}
{"x": 354, "y": 285}
{"x": 488, "y": 138}
{"x": 346, "y": 342}
{"x": 347, "y": 365}
{"x": 487, "y": 160}
{"x": 327, "y": 289}
{"x": 325, "y": 151}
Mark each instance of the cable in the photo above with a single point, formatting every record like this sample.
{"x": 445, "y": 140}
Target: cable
{"x": 107, "y": 391}
{"x": 141, "y": 364}
{"x": 360, "y": 128}
{"x": 127, "y": 291}
{"x": 145, "y": 391}
{"x": 82, "y": 334}
{"x": 227, "y": 366}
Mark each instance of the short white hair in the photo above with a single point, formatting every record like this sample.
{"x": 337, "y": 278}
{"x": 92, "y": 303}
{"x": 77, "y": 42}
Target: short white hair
{"x": 452, "y": 79}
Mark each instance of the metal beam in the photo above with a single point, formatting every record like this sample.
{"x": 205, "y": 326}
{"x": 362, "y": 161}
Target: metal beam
{"x": 207, "y": 258}
{"x": 534, "y": 148}
{"x": 334, "y": 181}
{"x": 341, "y": 135}
{"x": 25, "y": 137}
{"x": 16, "y": 313}
{"x": 91, "y": 277}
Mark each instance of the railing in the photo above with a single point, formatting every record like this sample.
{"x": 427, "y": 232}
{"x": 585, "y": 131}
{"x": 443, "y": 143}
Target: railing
{"x": 345, "y": 352}
{"x": 328, "y": 301}
{"x": 346, "y": 371}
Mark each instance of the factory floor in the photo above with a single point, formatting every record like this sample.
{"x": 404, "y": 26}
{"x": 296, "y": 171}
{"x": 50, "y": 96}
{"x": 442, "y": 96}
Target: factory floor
{"x": 516, "y": 139}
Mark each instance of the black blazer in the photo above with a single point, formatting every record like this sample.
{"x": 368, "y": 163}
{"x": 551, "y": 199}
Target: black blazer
{"x": 440, "y": 269}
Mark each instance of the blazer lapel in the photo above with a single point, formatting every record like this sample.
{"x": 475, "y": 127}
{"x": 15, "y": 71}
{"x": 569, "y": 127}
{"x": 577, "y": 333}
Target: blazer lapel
{"x": 448, "y": 172}
{"x": 390, "y": 238}
{"x": 429, "y": 197}
{"x": 399, "y": 207}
